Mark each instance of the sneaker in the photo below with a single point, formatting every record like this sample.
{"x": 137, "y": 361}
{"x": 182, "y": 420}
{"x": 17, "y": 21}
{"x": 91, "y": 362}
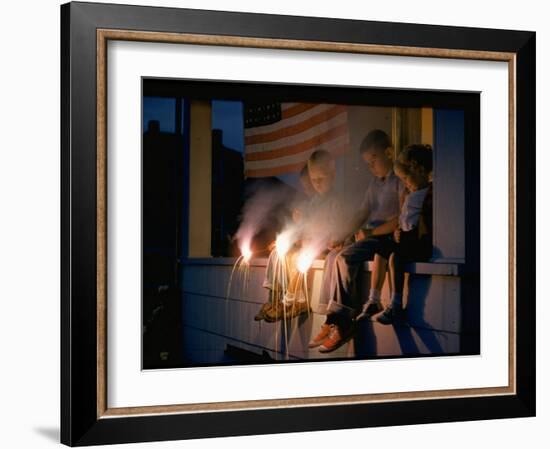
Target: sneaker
{"x": 321, "y": 336}
{"x": 262, "y": 312}
{"x": 390, "y": 315}
{"x": 370, "y": 308}
{"x": 338, "y": 336}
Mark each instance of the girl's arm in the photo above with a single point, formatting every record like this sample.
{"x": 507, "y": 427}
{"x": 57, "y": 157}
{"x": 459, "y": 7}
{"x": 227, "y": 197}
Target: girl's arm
{"x": 386, "y": 228}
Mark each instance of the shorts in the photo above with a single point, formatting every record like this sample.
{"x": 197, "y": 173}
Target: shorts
{"x": 409, "y": 248}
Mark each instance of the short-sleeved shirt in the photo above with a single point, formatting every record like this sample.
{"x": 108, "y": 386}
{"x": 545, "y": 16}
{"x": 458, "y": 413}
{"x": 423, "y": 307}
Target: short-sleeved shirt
{"x": 410, "y": 212}
{"x": 381, "y": 200}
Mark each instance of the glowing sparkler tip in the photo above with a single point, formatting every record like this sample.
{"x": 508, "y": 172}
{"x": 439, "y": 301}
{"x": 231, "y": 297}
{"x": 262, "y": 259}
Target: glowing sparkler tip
{"x": 282, "y": 243}
{"x": 305, "y": 260}
{"x": 246, "y": 253}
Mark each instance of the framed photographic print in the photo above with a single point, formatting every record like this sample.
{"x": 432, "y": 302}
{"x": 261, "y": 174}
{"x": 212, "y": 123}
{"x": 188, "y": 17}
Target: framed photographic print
{"x": 280, "y": 224}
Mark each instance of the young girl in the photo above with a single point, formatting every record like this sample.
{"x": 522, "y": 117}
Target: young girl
{"x": 412, "y": 240}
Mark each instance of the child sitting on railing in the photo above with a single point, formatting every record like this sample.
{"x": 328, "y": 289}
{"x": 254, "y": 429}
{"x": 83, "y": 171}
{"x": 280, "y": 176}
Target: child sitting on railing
{"x": 412, "y": 240}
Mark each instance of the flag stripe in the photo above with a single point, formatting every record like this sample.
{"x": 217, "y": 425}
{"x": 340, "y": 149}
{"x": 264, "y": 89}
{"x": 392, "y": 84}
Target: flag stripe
{"x": 321, "y": 128}
{"x": 296, "y": 109}
{"x": 282, "y": 169}
{"x": 285, "y": 145}
{"x": 331, "y": 146}
{"x": 295, "y": 129}
{"x": 263, "y": 172}
{"x": 316, "y": 140}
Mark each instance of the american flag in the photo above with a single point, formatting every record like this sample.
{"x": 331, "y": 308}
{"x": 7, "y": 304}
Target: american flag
{"x": 279, "y": 137}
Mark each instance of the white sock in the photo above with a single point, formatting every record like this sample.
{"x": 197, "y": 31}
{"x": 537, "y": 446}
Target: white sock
{"x": 397, "y": 300}
{"x": 374, "y": 295}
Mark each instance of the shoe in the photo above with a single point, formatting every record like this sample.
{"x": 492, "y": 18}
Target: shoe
{"x": 275, "y": 312}
{"x": 295, "y": 309}
{"x": 262, "y": 312}
{"x": 370, "y": 308}
{"x": 338, "y": 336}
{"x": 321, "y": 336}
{"x": 391, "y": 315}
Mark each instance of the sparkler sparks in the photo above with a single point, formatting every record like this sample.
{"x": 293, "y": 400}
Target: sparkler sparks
{"x": 283, "y": 243}
{"x": 242, "y": 264}
{"x": 305, "y": 260}
{"x": 246, "y": 253}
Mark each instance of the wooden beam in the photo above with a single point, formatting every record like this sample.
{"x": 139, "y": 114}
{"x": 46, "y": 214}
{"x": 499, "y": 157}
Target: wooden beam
{"x": 200, "y": 179}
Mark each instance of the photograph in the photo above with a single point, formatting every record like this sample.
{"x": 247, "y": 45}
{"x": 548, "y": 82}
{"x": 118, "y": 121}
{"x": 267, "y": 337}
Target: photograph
{"x": 276, "y": 223}
{"x": 294, "y": 223}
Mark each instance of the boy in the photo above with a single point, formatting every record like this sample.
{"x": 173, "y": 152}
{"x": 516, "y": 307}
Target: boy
{"x": 412, "y": 240}
{"x": 375, "y": 221}
{"x": 322, "y": 223}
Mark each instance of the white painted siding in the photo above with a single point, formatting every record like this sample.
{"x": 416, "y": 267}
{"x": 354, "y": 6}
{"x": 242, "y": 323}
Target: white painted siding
{"x": 212, "y": 320}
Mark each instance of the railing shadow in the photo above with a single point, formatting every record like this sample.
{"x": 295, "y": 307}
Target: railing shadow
{"x": 416, "y": 312}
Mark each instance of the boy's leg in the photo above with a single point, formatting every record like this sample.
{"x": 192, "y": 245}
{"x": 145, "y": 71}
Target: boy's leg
{"x": 292, "y": 276}
{"x": 272, "y": 309}
{"x": 378, "y": 274}
{"x": 348, "y": 263}
{"x": 341, "y": 309}
{"x": 397, "y": 279}
{"x": 269, "y": 284}
{"x": 294, "y": 299}
{"x": 328, "y": 281}
{"x": 269, "y": 278}
{"x": 285, "y": 305}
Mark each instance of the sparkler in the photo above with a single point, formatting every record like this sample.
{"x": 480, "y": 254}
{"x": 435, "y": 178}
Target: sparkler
{"x": 303, "y": 264}
{"x": 283, "y": 243}
{"x": 281, "y": 273}
{"x": 246, "y": 254}
{"x": 242, "y": 264}
{"x": 305, "y": 260}
{"x": 282, "y": 260}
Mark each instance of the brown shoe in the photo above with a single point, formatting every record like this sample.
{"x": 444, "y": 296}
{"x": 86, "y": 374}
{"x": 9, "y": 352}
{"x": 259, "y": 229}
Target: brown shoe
{"x": 338, "y": 336}
{"x": 275, "y": 312}
{"x": 295, "y": 309}
{"x": 321, "y": 336}
{"x": 262, "y": 312}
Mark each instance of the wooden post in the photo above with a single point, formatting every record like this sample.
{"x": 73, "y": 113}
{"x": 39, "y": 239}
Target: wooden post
{"x": 427, "y": 126}
{"x": 200, "y": 179}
